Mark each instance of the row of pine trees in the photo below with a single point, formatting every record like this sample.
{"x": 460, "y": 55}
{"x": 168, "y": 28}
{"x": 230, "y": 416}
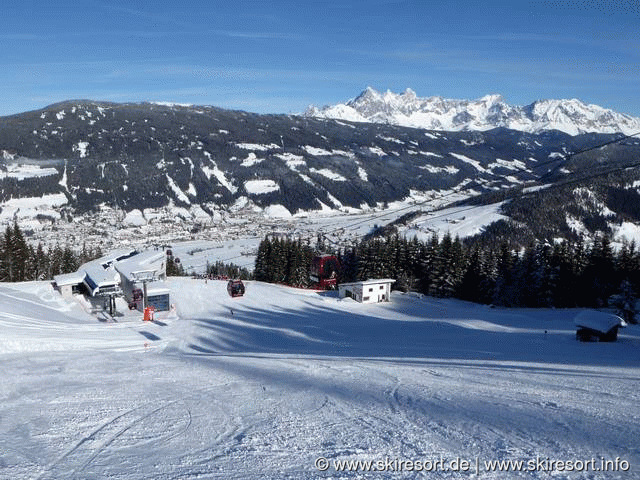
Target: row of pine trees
{"x": 20, "y": 261}
{"x": 283, "y": 260}
{"x": 565, "y": 274}
{"x": 228, "y": 270}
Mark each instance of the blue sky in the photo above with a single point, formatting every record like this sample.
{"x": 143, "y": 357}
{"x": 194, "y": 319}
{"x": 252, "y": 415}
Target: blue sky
{"x": 280, "y": 56}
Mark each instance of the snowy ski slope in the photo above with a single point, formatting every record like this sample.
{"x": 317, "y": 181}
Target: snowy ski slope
{"x": 264, "y": 385}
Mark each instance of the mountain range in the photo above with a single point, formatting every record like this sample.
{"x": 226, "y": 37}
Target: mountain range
{"x": 491, "y": 111}
{"x": 84, "y": 155}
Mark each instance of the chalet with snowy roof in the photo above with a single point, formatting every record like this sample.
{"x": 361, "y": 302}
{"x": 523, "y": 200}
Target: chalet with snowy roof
{"x": 70, "y": 283}
{"x": 597, "y": 326}
{"x": 367, "y": 291}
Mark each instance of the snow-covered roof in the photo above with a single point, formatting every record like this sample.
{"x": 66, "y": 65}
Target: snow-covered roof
{"x": 598, "y": 321}
{"x": 373, "y": 281}
{"x": 74, "y": 278}
{"x": 158, "y": 288}
{"x": 150, "y": 261}
{"x": 112, "y": 256}
{"x": 101, "y": 276}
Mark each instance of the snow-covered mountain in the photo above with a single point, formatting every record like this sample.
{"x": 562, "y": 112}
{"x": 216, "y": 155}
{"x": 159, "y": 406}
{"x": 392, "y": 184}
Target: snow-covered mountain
{"x": 436, "y": 113}
{"x": 84, "y": 157}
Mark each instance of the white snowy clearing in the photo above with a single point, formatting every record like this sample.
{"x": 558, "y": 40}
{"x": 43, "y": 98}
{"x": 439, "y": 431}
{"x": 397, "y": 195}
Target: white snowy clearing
{"x": 263, "y": 385}
{"x": 258, "y": 187}
{"x": 457, "y": 221}
{"x": 22, "y": 171}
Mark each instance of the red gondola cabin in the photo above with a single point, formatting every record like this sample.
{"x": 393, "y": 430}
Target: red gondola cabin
{"x": 235, "y": 288}
{"x": 324, "y": 272}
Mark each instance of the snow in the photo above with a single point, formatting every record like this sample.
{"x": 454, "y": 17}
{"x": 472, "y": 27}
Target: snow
{"x": 292, "y": 161}
{"x": 599, "y": 321}
{"x": 330, "y": 174}
{"x": 508, "y": 164}
{"x": 337, "y": 203}
{"x": 448, "y": 169}
{"x": 441, "y": 114}
{"x": 63, "y": 180}
{"x": 430, "y": 154}
{"x": 588, "y": 199}
{"x": 458, "y": 221}
{"x": 344, "y": 124}
{"x": 277, "y": 211}
{"x": 390, "y": 139}
{"x": 257, "y": 147}
{"x": 170, "y": 104}
{"x": 180, "y": 195}
{"x": 220, "y": 176}
{"x": 377, "y": 151}
{"x": 315, "y": 151}
{"x": 259, "y": 187}
{"x": 81, "y": 148}
{"x": 512, "y": 179}
{"x": 340, "y": 111}
{"x": 29, "y": 207}
{"x": 196, "y": 254}
{"x": 21, "y": 171}
{"x": 251, "y": 160}
{"x": 626, "y": 231}
{"x": 262, "y": 385}
{"x": 476, "y": 164}
{"x": 362, "y": 173}
{"x": 134, "y": 218}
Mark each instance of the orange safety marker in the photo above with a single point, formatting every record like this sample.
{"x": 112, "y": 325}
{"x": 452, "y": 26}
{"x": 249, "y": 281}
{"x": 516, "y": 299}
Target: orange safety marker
{"x": 148, "y": 314}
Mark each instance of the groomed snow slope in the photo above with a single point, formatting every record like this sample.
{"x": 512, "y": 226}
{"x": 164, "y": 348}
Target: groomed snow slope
{"x": 261, "y": 386}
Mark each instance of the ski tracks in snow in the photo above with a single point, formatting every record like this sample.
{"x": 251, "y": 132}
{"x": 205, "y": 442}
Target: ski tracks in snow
{"x": 146, "y": 425}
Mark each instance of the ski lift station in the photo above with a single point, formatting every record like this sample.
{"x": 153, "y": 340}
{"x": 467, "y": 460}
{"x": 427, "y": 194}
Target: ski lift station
{"x": 121, "y": 273}
{"x": 367, "y": 291}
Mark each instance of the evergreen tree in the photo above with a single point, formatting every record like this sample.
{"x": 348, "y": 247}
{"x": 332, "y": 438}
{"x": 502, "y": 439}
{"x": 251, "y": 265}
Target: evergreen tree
{"x": 599, "y": 274}
{"x": 427, "y": 263}
{"x": 174, "y": 269}
{"x": 278, "y": 261}
{"x": 299, "y": 265}
{"x": 41, "y": 263}
{"x": 625, "y": 302}
{"x": 32, "y": 264}
{"x": 443, "y": 278}
{"x": 503, "y": 293}
{"x": 19, "y": 251}
{"x": 263, "y": 257}
{"x": 350, "y": 265}
{"x": 469, "y": 288}
{"x": 6, "y": 263}
{"x": 69, "y": 261}
{"x": 55, "y": 262}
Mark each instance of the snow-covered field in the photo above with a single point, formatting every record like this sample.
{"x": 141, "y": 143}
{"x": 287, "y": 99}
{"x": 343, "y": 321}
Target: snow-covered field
{"x": 457, "y": 221}
{"x": 264, "y": 385}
